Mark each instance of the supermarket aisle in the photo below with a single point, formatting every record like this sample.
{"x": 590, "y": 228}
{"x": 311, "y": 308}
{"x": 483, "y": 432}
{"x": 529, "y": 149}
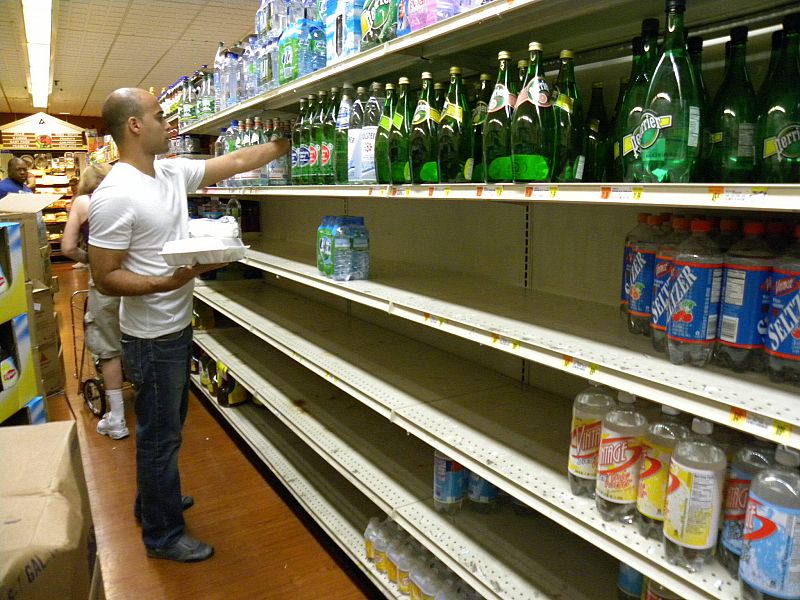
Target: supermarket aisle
{"x": 263, "y": 550}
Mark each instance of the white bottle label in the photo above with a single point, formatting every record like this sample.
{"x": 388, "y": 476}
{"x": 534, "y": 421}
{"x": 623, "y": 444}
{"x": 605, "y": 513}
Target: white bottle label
{"x": 368, "y": 135}
{"x": 694, "y": 502}
{"x": 354, "y": 155}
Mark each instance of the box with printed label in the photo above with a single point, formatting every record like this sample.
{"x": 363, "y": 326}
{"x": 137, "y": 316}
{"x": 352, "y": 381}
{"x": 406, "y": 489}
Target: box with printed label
{"x": 13, "y": 297}
{"x": 26, "y": 209}
{"x": 18, "y": 380}
{"x": 51, "y": 366}
{"x": 48, "y": 544}
{"x": 44, "y": 320}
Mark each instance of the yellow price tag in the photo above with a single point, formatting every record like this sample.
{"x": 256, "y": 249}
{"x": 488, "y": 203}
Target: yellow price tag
{"x": 498, "y": 191}
{"x": 782, "y": 430}
{"x": 446, "y": 192}
{"x": 553, "y": 192}
{"x": 408, "y": 192}
{"x": 637, "y": 193}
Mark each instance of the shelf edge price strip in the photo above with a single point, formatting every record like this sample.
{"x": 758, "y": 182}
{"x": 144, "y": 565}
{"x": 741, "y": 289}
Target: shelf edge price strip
{"x": 583, "y": 367}
{"x": 760, "y": 425}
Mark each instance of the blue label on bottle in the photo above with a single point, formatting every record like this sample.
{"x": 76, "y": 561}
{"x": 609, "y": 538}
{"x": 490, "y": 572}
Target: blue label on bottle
{"x": 449, "y": 480}
{"x": 343, "y": 118}
{"x": 640, "y": 290}
{"x": 303, "y": 156}
{"x": 771, "y": 549}
{"x": 694, "y": 301}
{"x": 294, "y": 157}
{"x": 661, "y": 278}
{"x": 783, "y": 332}
{"x": 745, "y": 303}
{"x": 480, "y": 490}
{"x": 734, "y": 506}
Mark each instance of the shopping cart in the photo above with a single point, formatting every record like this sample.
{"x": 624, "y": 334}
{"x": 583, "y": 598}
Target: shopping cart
{"x": 87, "y": 367}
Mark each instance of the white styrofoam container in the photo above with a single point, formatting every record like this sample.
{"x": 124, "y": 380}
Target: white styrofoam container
{"x": 203, "y": 251}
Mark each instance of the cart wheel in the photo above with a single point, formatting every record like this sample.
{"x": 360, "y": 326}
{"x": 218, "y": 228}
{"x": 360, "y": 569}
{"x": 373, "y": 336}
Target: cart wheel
{"x": 94, "y": 397}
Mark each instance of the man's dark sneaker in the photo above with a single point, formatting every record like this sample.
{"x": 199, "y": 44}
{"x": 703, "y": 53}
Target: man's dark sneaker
{"x": 186, "y": 501}
{"x": 186, "y": 549}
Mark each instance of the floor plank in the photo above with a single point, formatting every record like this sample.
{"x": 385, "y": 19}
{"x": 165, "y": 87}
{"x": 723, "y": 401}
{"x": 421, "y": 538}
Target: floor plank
{"x": 265, "y": 548}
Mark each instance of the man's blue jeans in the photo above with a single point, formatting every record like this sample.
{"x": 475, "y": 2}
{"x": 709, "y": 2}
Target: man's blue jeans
{"x": 159, "y": 370}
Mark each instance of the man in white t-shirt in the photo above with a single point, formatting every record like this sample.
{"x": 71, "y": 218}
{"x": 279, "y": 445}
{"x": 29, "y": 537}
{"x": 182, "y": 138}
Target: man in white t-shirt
{"x": 139, "y": 206}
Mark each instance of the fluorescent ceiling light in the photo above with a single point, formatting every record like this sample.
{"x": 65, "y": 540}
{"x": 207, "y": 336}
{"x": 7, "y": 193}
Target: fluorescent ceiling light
{"x": 38, "y": 17}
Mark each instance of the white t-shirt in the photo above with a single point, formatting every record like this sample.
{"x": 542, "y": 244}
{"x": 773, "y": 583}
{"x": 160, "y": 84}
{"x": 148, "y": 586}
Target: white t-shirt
{"x": 135, "y": 212}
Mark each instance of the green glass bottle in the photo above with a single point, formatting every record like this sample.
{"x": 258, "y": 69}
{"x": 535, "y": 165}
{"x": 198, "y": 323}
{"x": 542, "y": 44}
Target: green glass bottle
{"x": 479, "y": 113}
{"x": 305, "y": 140}
{"x": 774, "y": 59}
{"x": 614, "y": 165}
{"x": 732, "y": 118}
{"x": 327, "y": 140}
{"x": 702, "y": 170}
{"x": 382, "y": 169}
{"x": 399, "y": 167}
{"x": 497, "y": 129}
{"x": 633, "y": 105}
{"x": 342, "y": 129}
{"x": 570, "y": 161}
{"x": 455, "y": 134}
{"x": 439, "y": 95}
{"x": 423, "y": 140}
{"x": 533, "y": 125}
{"x": 596, "y": 131}
{"x": 315, "y": 139}
{"x": 778, "y": 130}
{"x": 669, "y": 135}
{"x": 522, "y": 72}
{"x": 297, "y": 143}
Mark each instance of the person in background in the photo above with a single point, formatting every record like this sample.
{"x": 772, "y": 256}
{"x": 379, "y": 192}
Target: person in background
{"x": 101, "y": 321}
{"x": 73, "y": 187}
{"x": 16, "y": 182}
{"x": 139, "y": 207}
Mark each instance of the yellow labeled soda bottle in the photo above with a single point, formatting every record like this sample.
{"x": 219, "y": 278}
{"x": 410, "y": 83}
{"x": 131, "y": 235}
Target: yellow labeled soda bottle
{"x": 497, "y": 129}
{"x": 455, "y": 134}
{"x": 422, "y": 142}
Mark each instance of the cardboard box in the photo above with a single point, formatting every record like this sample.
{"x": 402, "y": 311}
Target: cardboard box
{"x": 13, "y": 295}
{"x": 51, "y": 366}
{"x": 15, "y": 337}
{"x": 26, "y": 209}
{"x": 45, "y": 322}
{"x": 47, "y": 549}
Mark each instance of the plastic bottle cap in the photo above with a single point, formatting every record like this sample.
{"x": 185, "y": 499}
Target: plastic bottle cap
{"x": 669, "y": 410}
{"x": 680, "y": 224}
{"x": 426, "y": 75}
{"x": 404, "y": 81}
{"x": 503, "y": 55}
{"x": 455, "y": 70}
{"x": 626, "y": 397}
{"x": 486, "y": 77}
{"x": 701, "y": 225}
{"x": 788, "y": 457}
{"x": 235, "y": 123}
{"x": 535, "y": 46}
{"x": 754, "y": 228}
{"x": 702, "y": 427}
{"x": 567, "y": 54}
{"x": 654, "y": 220}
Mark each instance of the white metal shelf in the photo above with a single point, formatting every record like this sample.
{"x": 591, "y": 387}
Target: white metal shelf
{"x": 327, "y": 498}
{"x": 473, "y": 39}
{"x": 750, "y": 197}
{"x": 513, "y": 437}
{"x": 575, "y": 336}
{"x": 500, "y": 556}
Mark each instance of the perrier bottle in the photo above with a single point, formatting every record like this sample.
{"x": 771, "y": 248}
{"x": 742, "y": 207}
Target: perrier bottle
{"x": 479, "y": 113}
{"x": 455, "y": 134}
{"x": 315, "y": 140}
{"x": 733, "y": 119}
{"x": 669, "y": 134}
{"x": 569, "y": 160}
{"x": 596, "y": 133}
{"x": 778, "y": 137}
{"x": 399, "y": 168}
{"x": 533, "y": 124}
{"x": 382, "y": 170}
{"x": 327, "y": 150}
{"x": 497, "y": 129}
{"x": 423, "y": 148}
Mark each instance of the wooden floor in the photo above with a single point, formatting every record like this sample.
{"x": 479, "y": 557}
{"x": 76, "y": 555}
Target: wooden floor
{"x": 265, "y": 548}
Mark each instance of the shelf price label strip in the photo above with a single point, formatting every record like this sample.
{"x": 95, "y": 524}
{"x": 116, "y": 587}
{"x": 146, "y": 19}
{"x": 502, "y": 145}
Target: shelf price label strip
{"x": 760, "y": 425}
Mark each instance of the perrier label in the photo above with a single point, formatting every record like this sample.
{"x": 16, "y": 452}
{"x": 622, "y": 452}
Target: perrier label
{"x": 378, "y": 22}
{"x": 645, "y": 134}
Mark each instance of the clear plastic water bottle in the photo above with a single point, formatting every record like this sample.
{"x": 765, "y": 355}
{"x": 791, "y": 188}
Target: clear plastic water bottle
{"x": 771, "y": 541}
{"x": 782, "y": 339}
{"x": 354, "y": 136}
{"x": 219, "y": 63}
{"x": 588, "y": 409}
{"x": 369, "y": 538}
{"x": 279, "y": 170}
{"x": 359, "y": 236}
{"x": 618, "y": 462}
{"x": 665, "y": 263}
{"x": 634, "y": 235}
{"x": 404, "y": 562}
{"x": 372, "y": 118}
{"x": 342, "y": 249}
{"x": 748, "y": 461}
{"x": 250, "y": 67}
{"x": 641, "y": 275}
{"x": 231, "y": 135}
{"x": 745, "y": 302}
{"x": 343, "y": 112}
{"x": 629, "y": 583}
{"x": 232, "y": 71}
{"x": 482, "y": 494}
{"x": 659, "y": 442}
{"x": 694, "y": 498}
{"x": 449, "y": 484}
{"x": 694, "y": 298}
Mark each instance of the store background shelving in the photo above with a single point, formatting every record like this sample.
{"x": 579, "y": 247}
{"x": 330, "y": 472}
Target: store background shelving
{"x": 462, "y": 271}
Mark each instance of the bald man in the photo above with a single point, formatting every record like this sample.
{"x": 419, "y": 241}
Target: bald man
{"x": 137, "y": 208}
{"x": 16, "y": 182}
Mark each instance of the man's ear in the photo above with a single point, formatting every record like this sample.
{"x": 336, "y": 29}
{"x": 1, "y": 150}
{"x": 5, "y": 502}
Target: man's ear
{"x": 134, "y": 125}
